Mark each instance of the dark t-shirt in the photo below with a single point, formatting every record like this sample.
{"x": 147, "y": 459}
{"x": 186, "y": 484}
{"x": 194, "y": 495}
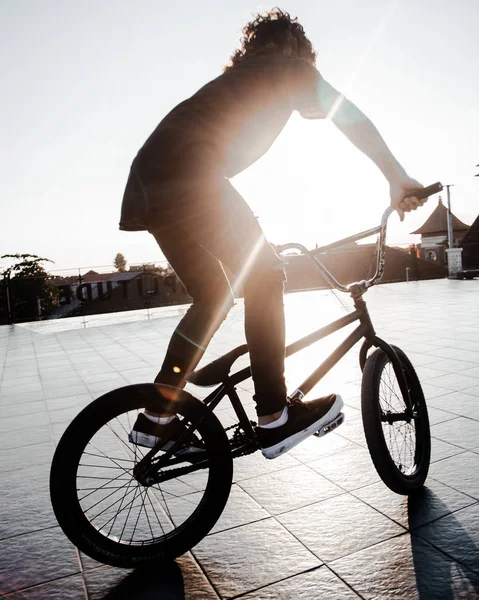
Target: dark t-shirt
{"x": 240, "y": 113}
{"x": 222, "y": 129}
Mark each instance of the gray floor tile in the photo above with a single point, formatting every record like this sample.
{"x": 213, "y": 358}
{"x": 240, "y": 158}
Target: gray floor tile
{"x": 24, "y": 421}
{"x": 79, "y": 401}
{"x": 26, "y": 456}
{"x": 433, "y": 391}
{"x": 455, "y": 381}
{"x": 441, "y": 450}
{"x": 252, "y": 556}
{"x": 68, "y": 390}
{"x": 320, "y": 583}
{"x": 255, "y": 464}
{"x": 289, "y": 489}
{"x": 350, "y": 468}
{"x": 15, "y": 381}
{"x": 19, "y": 438}
{"x": 338, "y": 526}
{"x": 13, "y": 388}
{"x": 27, "y": 479}
{"x": 429, "y": 373}
{"x": 15, "y": 410}
{"x": 474, "y": 391}
{"x": 472, "y": 371}
{"x": 314, "y": 448}
{"x": 23, "y": 513}
{"x": 20, "y": 398}
{"x": 460, "y": 431}
{"x": 406, "y": 568}
{"x": 72, "y": 587}
{"x": 240, "y": 510}
{"x": 438, "y": 416}
{"x": 458, "y": 403}
{"x": 458, "y": 354}
{"x": 63, "y": 415}
{"x": 50, "y": 386}
{"x": 51, "y": 375}
{"x": 447, "y": 365}
{"x": 434, "y": 501}
{"x": 36, "y": 558}
{"x": 459, "y": 472}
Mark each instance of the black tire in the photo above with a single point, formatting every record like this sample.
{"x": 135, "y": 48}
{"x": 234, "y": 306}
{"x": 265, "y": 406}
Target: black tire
{"x": 400, "y": 451}
{"x": 106, "y": 512}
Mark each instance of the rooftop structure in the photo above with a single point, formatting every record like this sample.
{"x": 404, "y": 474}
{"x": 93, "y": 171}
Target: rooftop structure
{"x": 436, "y": 224}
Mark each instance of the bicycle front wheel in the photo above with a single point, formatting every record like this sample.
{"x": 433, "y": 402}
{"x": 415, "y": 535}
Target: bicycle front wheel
{"x": 102, "y": 505}
{"x": 400, "y": 448}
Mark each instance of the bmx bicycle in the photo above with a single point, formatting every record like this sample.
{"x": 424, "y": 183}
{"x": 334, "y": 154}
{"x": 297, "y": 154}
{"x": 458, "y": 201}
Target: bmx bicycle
{"x": 127, "y": 506}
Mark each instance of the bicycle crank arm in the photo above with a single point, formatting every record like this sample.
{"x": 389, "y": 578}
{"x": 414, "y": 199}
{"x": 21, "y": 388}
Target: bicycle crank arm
{"x": 154, "y": 478}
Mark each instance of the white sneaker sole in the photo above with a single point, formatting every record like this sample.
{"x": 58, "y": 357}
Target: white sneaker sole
{"x": 322, "y": 426}
{"x": 149, "y": 441}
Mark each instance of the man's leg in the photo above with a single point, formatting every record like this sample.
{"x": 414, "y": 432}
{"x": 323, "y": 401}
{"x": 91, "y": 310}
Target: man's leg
{"x": 228, "y": 230}
{"x": 206, "y": 282}
{"x": 234, "y": 236}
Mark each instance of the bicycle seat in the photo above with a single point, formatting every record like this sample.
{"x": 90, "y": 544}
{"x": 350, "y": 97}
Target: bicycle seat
{"x": 218, "y": 370}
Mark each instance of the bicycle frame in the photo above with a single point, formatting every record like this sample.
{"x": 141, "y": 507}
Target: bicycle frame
{"x": 364, "y": 330}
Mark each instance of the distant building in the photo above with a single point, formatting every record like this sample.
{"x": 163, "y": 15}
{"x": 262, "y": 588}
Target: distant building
{"x": 470, "y": 246}
{"x": 434, "y": 236}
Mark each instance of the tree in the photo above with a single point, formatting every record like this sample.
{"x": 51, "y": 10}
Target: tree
{"x": 120, "y": 262}
{"x": 29, "y": 290}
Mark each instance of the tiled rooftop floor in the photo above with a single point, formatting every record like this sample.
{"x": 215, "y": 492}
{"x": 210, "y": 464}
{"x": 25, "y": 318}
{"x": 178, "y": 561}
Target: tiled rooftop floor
{"x": 315, "y": 523}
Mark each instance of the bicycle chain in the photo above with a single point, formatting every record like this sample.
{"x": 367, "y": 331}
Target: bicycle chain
{"x": 247, "y": 449}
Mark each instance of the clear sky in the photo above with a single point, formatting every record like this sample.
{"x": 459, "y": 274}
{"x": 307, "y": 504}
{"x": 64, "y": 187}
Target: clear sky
{"x": 84, "y": 84}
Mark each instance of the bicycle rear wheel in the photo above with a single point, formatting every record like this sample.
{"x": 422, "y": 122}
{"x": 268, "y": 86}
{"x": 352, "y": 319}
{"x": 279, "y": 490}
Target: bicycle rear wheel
{"x": 106, "y": 512}
{"x": 400, "y": 450}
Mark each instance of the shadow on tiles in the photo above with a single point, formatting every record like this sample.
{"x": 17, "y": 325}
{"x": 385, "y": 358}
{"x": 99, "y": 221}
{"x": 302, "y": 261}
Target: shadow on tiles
{"x": 453, "y": 572}
{"x": 161, "y": 580}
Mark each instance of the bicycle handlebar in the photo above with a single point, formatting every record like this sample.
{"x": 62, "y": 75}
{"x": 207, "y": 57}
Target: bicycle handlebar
{"x": 361, "y": 286}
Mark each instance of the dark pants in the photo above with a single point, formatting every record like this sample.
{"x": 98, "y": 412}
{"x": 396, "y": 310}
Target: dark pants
{"x": 202, "y": 224}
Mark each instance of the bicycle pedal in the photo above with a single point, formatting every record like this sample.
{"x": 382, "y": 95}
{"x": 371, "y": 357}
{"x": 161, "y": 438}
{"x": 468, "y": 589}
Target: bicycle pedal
{"x": 330, "y": 426}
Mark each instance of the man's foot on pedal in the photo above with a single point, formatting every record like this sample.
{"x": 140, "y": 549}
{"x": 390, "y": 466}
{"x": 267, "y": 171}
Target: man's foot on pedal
{"x": 147, "y": 433}
{"x": 304, "y": 419}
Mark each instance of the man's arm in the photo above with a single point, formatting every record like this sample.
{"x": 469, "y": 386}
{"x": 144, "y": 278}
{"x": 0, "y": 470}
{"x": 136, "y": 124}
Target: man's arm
{"x": 361, "y": 132}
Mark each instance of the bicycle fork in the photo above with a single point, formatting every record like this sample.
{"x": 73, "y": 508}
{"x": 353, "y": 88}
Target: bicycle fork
{"x": 371, "y": 339}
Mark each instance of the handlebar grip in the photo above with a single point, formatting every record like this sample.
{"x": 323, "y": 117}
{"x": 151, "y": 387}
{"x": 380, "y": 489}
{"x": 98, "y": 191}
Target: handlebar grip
{"x": 427, "y": 191}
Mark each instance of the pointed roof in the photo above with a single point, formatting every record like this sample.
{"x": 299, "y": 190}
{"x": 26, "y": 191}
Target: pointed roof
{"x": 472, "y": 236}
{"x": 437, "y": 222}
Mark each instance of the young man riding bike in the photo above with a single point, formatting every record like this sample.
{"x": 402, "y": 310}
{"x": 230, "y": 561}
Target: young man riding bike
{"x": 179, "y": 190}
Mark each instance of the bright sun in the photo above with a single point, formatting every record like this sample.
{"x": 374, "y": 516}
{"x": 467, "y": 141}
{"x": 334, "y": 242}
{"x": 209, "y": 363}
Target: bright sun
{"x": 313, "y": 186}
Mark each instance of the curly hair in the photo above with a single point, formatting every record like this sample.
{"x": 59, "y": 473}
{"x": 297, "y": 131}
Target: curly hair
{"x": 273, "y": 32}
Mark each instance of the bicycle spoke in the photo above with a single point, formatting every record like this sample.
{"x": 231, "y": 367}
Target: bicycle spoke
{"x": 399, "y": 435}
{"x": 101, "y": 487}
{"x": 109, "y": 457}
{"x": 146, "y": 514}
{"x": 138, "y": 517}
{"x": 121, "y": 508}
{"x": 114, "y": 520}
{"x": 154, "y": 511}
{"x": 128, "y": 515}
{"x": 108, "y": 507}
